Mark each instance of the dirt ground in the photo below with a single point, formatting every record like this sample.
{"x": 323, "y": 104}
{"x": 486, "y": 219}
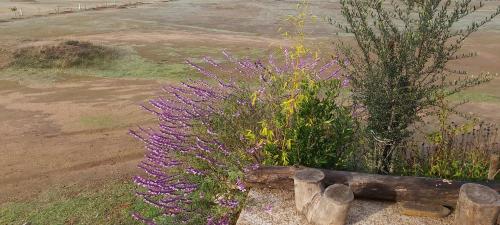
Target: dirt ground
{"x": 22, "y": 9}
{"x": 74, "y": 130}
{"x": 68, "y": 133}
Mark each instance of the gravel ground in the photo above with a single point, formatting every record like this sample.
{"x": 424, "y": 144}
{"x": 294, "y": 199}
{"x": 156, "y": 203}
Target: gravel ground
{"x": 276, "y": 207}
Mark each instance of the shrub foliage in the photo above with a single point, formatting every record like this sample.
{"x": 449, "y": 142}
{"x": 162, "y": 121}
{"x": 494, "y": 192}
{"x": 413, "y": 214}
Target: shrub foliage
{"x": 399, "y": 66}
{"x": 211, "y": 132}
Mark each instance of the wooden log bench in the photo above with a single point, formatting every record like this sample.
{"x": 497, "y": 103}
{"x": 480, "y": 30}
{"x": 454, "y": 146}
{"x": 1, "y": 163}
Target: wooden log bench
{"x": 321, "y": 206}
{"x": 371, "y": 186}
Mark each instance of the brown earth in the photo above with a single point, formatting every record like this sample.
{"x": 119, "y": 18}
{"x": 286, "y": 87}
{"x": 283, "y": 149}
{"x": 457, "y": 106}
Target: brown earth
{"x": 47, "y": 138}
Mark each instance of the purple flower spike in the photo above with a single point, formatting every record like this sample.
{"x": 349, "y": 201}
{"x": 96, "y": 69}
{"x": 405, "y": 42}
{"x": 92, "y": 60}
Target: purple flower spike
{"x": 345, "y": 82}
{"x": 186, "y": 133}
{"x": 240, "y": 185}
{"x": 139, "y": 218}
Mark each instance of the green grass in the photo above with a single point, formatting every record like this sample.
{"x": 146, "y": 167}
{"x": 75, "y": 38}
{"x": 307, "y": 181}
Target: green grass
{"x": 110, "y": 204}
{"x": 137, "y": 67}
{"x": 475, "y": 97}
{"x": 100, "y": 121}
{"x": 131, "y": 66}
{"x": 143, "y": 62}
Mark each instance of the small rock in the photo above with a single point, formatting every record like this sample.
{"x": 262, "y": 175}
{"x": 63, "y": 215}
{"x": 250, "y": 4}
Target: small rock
{"x": 424, "y": 210}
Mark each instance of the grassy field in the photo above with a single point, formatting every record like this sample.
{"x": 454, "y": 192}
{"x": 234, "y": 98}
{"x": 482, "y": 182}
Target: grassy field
{"x": 111, "y": 203}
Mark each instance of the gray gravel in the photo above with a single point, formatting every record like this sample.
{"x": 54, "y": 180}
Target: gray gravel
{"x": 276, "y": 207}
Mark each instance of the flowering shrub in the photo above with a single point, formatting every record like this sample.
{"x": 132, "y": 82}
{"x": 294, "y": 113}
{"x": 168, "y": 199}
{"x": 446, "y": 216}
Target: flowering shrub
{"x": 185, "y": 163}
{"x": 211, "y": 132}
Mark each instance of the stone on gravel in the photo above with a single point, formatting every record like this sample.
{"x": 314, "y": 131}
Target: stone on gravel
{"x": 277, "y": 207}
{"x": 424, "y": 210}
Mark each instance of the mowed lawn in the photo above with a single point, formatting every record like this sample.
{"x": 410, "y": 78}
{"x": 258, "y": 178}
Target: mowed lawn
{"x": 110, "y": 203}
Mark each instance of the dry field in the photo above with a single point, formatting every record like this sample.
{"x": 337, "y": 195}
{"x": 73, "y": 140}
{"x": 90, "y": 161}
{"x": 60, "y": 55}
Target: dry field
{"x": 68, "y": 127}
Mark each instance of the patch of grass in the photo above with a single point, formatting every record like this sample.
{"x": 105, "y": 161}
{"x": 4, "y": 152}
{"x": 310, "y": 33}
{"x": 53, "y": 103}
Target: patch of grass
{"x": 475, "y": 97}
{"x": 133, "y": 62}
{"x": 177, "y": 54}
{"x": 130, "y": 66}
{"x": 110, "y": 204}
{"x": 63, "y": 55}
{"x": 100, "y": 121}
{"x": 31, "y": 75}
{"x": 138, "y": 67}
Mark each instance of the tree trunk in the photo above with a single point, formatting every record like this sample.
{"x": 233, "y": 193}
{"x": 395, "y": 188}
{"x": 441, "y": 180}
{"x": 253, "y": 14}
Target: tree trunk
{"x": 386, "y": 159}
{"x": 370, "y": 186}
{"x": 477, "y": 205}
{"x": 307, "y": 184}
{"x": 333, "y": 206}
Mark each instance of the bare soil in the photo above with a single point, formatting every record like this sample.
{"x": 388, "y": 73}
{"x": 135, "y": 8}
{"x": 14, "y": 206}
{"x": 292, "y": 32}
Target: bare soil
{"x": 47, "y": 138}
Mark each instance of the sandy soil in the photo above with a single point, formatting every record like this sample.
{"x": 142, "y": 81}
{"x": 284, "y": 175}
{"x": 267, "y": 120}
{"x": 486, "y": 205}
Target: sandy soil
{"x": 70, "y": 132}
{"x": 74, "y": 131}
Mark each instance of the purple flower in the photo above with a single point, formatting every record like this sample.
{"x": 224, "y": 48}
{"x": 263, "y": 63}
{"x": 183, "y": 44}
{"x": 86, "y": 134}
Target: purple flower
{"x": 221, "y": 221}
{"x": 251, "y": 167}
{"x": 240, "y": 185}
{"x": 228, "y": 203}
{"x": 194, "y": 171}
{"x": 345, "y": 82}
{"x": 139, "y": 218}
{"x": 268, "y": 208}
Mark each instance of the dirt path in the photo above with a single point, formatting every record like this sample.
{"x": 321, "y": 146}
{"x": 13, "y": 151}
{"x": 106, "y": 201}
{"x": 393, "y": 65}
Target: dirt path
{"x": 68, "y": 133}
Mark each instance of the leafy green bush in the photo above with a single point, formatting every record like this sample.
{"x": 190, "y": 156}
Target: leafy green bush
{"x": 322, "y": 132}
{"x": 459, "y": 152}
{"x": 400, "y": 63}
{"x": 319, "y": 133}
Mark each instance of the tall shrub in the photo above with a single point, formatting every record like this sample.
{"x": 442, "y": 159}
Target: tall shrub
{"x": 210, "y": 132}
{"x": 310, "y": 125}
{"x": 304, "y": 122}
{"x": 400, "y": 63}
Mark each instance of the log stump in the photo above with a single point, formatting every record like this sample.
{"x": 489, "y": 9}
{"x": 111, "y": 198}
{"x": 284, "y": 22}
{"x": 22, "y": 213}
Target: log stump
{"x": 333, "y": 206}
{"x": 307, "y": 184}
{"x": 477, "y": 205}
